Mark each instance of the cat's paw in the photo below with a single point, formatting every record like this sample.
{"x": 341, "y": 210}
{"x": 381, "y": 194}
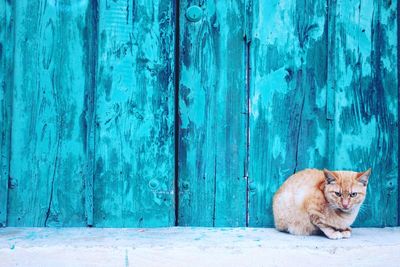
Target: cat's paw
{"x": 335, "y": 235}
{"x": 346, "y": 234}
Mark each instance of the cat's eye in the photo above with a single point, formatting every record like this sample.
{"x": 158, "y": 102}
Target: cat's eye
{"x": 338, "y": 194}
{"x": 353, "y": 194}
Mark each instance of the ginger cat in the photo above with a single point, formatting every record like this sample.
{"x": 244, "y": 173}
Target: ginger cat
{"x": 311, "y": 201}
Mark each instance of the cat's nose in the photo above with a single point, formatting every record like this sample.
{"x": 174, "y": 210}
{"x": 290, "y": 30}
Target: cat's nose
{"x": 345, "y": 205}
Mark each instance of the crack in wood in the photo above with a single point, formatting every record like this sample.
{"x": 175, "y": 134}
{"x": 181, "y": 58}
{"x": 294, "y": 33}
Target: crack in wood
{"x": 298, "y": 135}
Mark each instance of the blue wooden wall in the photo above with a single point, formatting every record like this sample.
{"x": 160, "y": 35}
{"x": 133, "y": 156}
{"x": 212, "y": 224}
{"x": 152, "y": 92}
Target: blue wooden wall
{"x": 138, "y": 113}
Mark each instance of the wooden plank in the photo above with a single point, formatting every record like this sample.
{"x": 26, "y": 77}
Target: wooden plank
{"x": 398, "y": 109}
{"x": 48, "y": 135}
{"x": 88, "y": 114}
{"x": 134, "y": 177}
{"x": 212, "y": 109}
{"x": 6, "y": 81}
{"x": 366, "y": 117}
{"x": 287, "y": 97}
{"x": 331, "y": 84}
{"x": 3, "y": 127}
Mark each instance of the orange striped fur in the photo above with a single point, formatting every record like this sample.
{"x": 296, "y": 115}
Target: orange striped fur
{"x": 312, "y": 201}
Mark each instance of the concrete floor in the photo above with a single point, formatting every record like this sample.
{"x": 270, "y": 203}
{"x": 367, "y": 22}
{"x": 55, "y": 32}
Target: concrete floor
{"x": 194, "y": 247}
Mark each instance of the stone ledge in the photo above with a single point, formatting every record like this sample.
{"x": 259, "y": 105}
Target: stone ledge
{"x": 178, "y": 246}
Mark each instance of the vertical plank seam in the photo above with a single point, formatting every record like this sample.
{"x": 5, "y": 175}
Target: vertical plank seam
{"x": 247, "y": 94}
{"x": 92, "y": 51}
{"x": 11, "y": 99}
{"x": 94, "y": 40}
{"x": 247, "y": 55}
{"x": 331, "y": 84}
{"x": 214, "y": 190}
{"x": 3, "y": 132}
{"x": 298, "y": 135}
{"x": 398, "y": 112}
{"x": 54, "y": 170}
{"x": 176, "y": 103}
{"x": 8, "y": 103}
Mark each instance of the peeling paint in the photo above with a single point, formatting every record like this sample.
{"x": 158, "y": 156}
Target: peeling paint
{"x": 266, "y": 88}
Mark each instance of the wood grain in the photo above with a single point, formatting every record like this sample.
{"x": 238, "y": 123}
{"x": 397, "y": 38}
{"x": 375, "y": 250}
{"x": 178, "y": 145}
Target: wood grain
{"x": 212, "y": 109}
{"x": 287, "y": 97}
{"x": 366, "y": 101}
{"x": 87, "y": 117}
{"x": 48, "y": 156}
{"x": 95, "y": 111}
{"x": 6, "y": 74}
{"x": 398, "y": 112}
{"x": 134, "y": 177}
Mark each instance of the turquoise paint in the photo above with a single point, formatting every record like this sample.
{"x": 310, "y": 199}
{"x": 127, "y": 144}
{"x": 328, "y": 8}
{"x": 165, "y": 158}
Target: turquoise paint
{"x": 6, "y": 55}
{"x": 194, "y": 13}
{"x": 89, "y": 32}
{"x": 356, "y": 44}
{"x": 366, "y": 103}
{"x": 212, "y": 108}
{"x": 288, "y": 78}
{"x": 47, "y": 159}
{"x": 266, "y": 88}
{"x": 134, "y": 142}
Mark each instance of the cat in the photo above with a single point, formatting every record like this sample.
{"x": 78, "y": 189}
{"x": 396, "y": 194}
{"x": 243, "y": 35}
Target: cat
{"x": 312, "y": 201}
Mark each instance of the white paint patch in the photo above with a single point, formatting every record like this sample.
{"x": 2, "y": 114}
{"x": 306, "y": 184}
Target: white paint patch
{"x": 277, "y": 147}
{"x": 321, "y": 99}
{"x": 275, "y": 81}
{"x": 254, "y": 103}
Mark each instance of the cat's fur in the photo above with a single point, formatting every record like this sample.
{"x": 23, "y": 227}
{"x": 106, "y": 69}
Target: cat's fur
{"x": 312, "y": 200}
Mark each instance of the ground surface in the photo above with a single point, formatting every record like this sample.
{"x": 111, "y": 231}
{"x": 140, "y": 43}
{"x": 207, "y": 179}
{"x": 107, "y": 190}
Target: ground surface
{"x": 194, "y": 247}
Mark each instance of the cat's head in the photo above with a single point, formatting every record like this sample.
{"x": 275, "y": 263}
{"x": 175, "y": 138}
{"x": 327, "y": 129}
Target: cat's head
{"x": 346, "y": 190}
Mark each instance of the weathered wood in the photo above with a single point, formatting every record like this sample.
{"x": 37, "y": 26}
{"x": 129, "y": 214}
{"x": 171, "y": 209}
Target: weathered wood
{"x": 398, "y": 111}
{"x": 134, "y": 177}
{"x": 6, "y": 81}
{"x": 331, "y": 84}
{"x": 288, "y": 96}
{"x": 3, "y": 127}
{"x": 212, "y": 109}
{"x": 48, "y": 151}
{"x": 366, "y": 101}
{"x": 266, "y": 88}
{"x": 88, "y": 115}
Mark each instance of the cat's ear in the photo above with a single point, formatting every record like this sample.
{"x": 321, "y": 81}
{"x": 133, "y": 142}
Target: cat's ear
{"x": 363, "y": 177}
{"x": 329, "y": 177}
